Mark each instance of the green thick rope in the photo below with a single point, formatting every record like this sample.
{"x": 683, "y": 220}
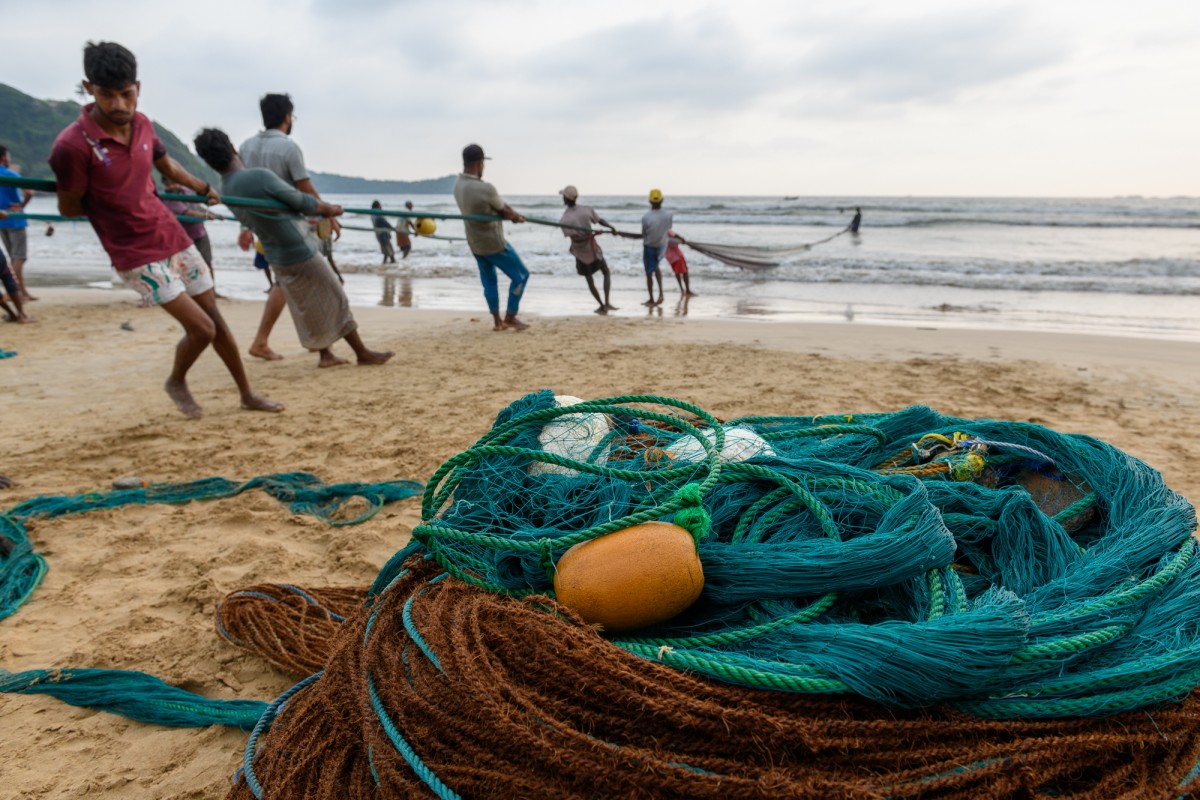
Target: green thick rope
{"x": 40, "y": 184}
{"x": 22, "y": 569}
{"x": 134, "y": 694}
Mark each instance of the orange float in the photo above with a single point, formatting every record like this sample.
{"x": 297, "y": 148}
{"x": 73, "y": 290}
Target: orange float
{"x": 631, "y": 578}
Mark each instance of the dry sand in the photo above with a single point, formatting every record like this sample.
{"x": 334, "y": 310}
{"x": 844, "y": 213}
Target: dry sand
{"x": 135, "y": 588}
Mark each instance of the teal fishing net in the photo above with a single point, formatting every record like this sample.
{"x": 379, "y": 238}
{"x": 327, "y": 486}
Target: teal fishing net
{"x": 911, "y": 558}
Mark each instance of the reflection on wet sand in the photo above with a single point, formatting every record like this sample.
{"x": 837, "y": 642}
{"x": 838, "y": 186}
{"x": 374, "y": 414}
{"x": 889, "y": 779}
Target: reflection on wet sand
{"x": 397, "y": 291}
{"x": 751, "y": 308}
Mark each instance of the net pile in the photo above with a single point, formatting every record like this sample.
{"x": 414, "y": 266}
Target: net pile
{"x": 898, "y": 579}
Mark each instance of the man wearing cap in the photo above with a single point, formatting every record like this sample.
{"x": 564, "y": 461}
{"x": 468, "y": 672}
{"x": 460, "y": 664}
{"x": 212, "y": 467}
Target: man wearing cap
{"x": 656, "y": 225}
{"x": 589, "y": 259}
{"x": 474, "y": 195}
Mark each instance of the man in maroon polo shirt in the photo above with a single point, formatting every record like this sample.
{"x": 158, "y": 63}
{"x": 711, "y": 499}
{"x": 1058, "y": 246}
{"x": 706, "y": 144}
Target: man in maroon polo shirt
{"x": 103, "y": 162}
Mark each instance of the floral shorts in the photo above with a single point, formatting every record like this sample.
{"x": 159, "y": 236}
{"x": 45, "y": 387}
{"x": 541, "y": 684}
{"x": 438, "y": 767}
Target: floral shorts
{"x": 160, "y": 282}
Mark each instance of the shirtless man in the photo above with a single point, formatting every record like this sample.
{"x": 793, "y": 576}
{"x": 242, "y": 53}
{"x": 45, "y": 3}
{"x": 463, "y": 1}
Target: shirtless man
{"x": 103, "y": 162}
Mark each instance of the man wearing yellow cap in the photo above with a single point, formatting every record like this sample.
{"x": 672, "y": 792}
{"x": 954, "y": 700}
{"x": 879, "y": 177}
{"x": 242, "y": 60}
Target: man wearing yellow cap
{"x": 656, "y": 225}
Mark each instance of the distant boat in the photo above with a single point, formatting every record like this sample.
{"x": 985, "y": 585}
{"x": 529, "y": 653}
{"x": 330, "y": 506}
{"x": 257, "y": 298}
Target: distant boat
{"x": 792, "y": 197}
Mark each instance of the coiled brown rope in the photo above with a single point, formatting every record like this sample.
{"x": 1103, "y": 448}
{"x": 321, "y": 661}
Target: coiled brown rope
{"x": 526, "y": 701}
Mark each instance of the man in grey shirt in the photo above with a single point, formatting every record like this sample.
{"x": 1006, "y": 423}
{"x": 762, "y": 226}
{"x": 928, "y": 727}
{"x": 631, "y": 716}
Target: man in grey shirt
{"x": 474, "y": 195}
{"x": 273, "y": 149}
{"x": 656, "y": 223}
{"x": 307, "y": 283}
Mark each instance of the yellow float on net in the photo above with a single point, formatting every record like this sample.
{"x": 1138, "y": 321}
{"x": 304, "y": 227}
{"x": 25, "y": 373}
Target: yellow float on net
{"x": 631, "y": 578}
{"x": 426, "y": 227}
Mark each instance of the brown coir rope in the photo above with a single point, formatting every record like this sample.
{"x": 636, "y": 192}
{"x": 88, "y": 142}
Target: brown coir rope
{"x": 525, "y": 701}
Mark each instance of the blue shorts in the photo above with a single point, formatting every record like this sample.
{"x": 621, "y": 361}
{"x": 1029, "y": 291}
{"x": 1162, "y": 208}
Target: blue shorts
{"x": 651, "y": 256}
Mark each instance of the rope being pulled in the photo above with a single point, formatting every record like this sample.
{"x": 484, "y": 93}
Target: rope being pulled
{"x": 443, "y": 689}
{"x": 251, "y": 202}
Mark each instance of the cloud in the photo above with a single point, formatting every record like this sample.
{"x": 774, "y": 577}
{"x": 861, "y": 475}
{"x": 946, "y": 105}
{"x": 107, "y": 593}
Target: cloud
{"x": 933, "y": 58}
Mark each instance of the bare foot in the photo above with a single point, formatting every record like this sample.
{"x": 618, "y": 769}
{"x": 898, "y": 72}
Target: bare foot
{"x": 514, "y": 323}
{"x": 369, "y": 358}
{"x": 649, "y": 302}
{"x": 187, "y": 405}
{"x": 24, "y": 319}
{"x": 600, "y": 310}
{"x": 26, "y": 297}
{"x": 610, "y": 306}
{"x": 691, "y": 294}
{"x": 659, "y": 301}
{"x": 499, "y": 326}
{"x": 264, "y": 352}
{"x": 330, "y": 360}
{"x": 256, "y": 402}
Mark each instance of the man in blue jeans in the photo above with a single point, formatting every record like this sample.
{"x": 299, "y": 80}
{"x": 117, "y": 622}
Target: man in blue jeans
{"x": 474, "y": 195}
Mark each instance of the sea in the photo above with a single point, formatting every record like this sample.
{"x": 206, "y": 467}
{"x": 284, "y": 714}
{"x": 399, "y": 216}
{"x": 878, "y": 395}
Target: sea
{"x": 1121, "y": 266}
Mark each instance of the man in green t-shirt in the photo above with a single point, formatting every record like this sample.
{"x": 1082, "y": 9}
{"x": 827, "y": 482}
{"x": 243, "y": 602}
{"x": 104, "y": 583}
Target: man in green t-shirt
{"x": 474, "y": 195}
{"x": 314, "y": 295}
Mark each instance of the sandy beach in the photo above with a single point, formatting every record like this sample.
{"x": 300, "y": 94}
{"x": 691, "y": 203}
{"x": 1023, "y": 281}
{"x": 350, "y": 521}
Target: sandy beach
{"x": 135, "y": 588}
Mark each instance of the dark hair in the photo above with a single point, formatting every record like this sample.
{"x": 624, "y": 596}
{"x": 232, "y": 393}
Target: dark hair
{"x": 109, "y": 65}
{"x": 275, "y": 108}
{"x": 375, "y": 204}
{"x": 214, "y": 147}
{"x": 3, "y": 151}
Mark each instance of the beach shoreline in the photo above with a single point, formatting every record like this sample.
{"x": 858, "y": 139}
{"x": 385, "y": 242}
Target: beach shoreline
{"x": 135, "y": 588}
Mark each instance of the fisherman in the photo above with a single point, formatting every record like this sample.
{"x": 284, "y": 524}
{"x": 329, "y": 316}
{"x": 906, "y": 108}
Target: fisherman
{"x": 9, "y": 282}
{"x": 854, "y": 223}
{"x": 656, "y": 225}
{"x": 589, "y": 259}
{"x": 103, "y": 163}
{"x": 404, "y": 231}
{"x": 383, "y": 234}
{"x": 274, "y": 149}
{"x": 13, "y": 232}
{"x": 474, "y": 195}
{"x": 678, "y": 263}
{"x": 320, "y": 309}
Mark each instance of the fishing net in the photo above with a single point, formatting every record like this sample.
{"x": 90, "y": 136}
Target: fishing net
{"x": 940, "y": 605}
{"x": 754, "y": 258}
{"x": 446, "y": 690}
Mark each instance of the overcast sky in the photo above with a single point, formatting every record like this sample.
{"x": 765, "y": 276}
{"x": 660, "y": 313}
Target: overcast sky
{"x": 875, "y": 97}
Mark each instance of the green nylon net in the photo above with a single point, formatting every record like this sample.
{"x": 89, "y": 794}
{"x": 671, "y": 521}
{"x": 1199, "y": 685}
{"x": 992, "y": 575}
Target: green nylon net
{"x": 910, "y": 557}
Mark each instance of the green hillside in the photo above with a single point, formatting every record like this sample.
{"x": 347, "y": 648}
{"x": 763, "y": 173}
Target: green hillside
{"x": 28, "y": 127}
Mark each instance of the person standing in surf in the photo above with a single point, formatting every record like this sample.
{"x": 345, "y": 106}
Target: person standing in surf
{"x": 656, "y": 225}
{"x": 474, "y": 195}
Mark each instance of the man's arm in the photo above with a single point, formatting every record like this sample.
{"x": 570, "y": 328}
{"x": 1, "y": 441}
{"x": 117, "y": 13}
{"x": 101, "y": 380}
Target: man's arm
{"x": 170, "y": 168}
{"x": 26, "y": 196}
{"x": 70, "y": 174}
{"x": 70, "y": 204}
{"x": 306, "y": 186}
{"x": 299, "y": 201}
